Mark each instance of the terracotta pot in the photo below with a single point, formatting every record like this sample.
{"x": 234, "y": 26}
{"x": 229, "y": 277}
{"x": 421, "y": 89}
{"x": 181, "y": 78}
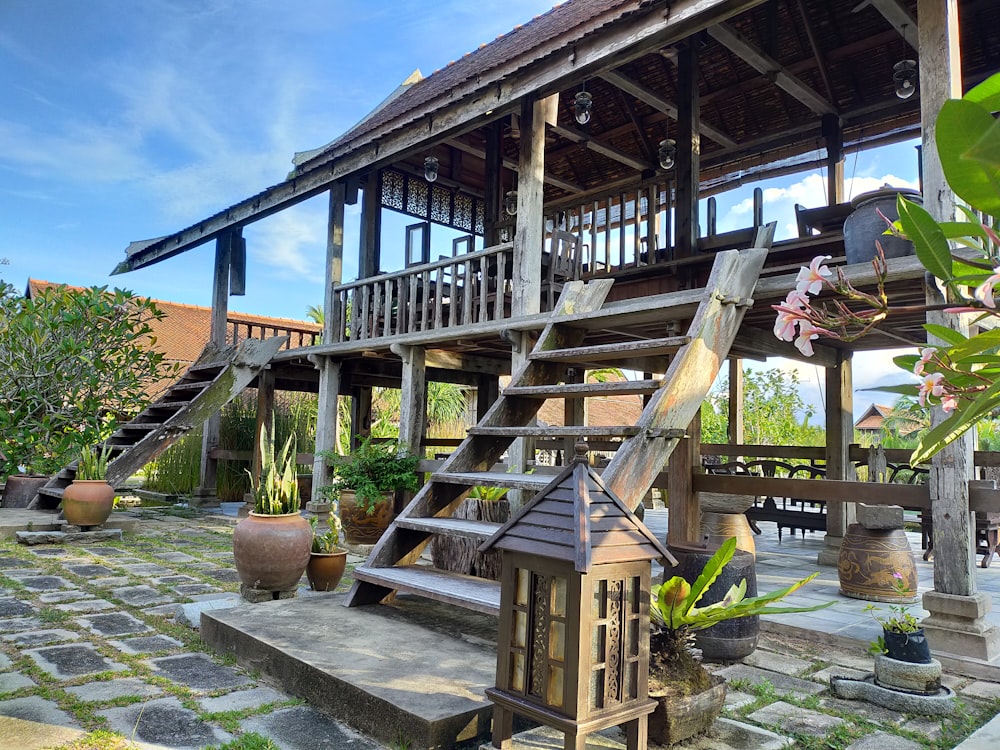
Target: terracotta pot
{"x": 88, "y": 502}
{"x": 361, "y": 527}
{"x": 21, "y": 489}
{"x": 325, "y": 570}
{"x": 678, "y": 717}
{"x": 271, "y": 552}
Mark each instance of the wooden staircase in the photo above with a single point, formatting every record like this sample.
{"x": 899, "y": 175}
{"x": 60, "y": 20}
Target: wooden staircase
{"x": 580, "y": 316}
{"x": 216, "y": 378}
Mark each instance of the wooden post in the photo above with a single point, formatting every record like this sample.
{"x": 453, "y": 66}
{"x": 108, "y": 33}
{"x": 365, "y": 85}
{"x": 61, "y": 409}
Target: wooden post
{"x": 833, "y": 135}
{"x": 688, "y": 150}
{"x": 220, "y": 312}
{"x": 684, "y": 518}
{"x": 361, "y": 414}
{"x": 487, "y": 391}
{"x": 839, "y": 433}
{"x": 957, "y": 622}
{"x": 371, "y": 226}
{"x": 329, "y": 370}
{"x": 737, "y": 434}
{"x": 265, "y": 416}
{"x": 574, "y": 411}
{"x": 492, "y": 188}
{"x": 413, "y": 398}
{"x": 530, "y": 234}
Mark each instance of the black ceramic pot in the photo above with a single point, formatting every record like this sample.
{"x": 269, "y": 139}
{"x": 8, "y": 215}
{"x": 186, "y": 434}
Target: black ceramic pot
{"x": 911, "y": 647}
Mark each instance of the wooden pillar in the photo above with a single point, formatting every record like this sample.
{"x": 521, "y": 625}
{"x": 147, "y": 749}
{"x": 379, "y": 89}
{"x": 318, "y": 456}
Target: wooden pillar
{"x": 493, "y": 186}
{"x": 530, "y": 234}
{"x": 361, "y": 414}
{"x": 265, "y": 415}
{"x": 737, "y": 434}
{"x": 957, "y": 622}
{"x": 574, "y": 412}
{"x": 329, "y": 370}
{"x": 684, "y": 516}
{"x": 413, "y": 398}
{"x": 839, "y": 433}
{"x": 220, "y": 313}
{"x": 688, "y": 150}
{"x": 369, "y": 250}
{"x": 834, "y": 137}
{"x": 487, "y": 391}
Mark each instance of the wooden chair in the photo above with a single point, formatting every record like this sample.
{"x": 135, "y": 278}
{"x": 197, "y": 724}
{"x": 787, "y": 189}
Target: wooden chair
{"x": 823, "y": 219}
{"x": 564, "y": 265}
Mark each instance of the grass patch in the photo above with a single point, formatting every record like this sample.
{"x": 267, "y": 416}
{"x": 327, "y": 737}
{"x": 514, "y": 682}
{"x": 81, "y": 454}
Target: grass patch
{"x": 100, "y": 739}
{"x": 251, "y": 741}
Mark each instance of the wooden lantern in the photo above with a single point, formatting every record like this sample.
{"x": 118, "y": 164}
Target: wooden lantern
{"x": 573, "y": 645}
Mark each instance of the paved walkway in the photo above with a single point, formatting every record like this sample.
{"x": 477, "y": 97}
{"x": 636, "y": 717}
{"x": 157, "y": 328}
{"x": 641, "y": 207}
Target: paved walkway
{"x": 89, "y": 640}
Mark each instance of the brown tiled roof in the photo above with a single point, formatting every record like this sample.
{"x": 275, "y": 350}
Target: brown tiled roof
{"x": 576, "y": 519}
{"x": 185, "y": 329}
{"x": 872, "y": 419}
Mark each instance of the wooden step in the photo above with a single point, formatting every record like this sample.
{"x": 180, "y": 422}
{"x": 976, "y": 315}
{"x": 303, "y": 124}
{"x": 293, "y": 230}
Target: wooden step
{"x": 189, "y": 386}
{"x": 167, "y": 406}
{"x": 453, "y": 588}
{"x": 585, "y": 390}
{"x": 533, "y": 482}
{"x": 209, "y": 368}
{"x": 603, "y": 353}
{"x": 139, "y": 426}
{"x": 56, "y": 492}
{"x": 462, "y": 527}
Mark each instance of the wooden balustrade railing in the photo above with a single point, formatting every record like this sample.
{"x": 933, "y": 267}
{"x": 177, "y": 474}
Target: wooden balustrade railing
{"x": 238, "y": 330}
{"x": 448, "y": 293}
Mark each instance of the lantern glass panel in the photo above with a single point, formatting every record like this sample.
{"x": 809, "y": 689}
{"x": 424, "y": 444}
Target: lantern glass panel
{"x": 633, "y": 595}
{"x": 631, "y": 680}
{"x": 554, "y": 693}
{"x": 632, "y": 637}
{"x": 597, "y": 688}
{"x": 558, "y": 605}
{"x": 597, "y": 646}
{"x": 522, "y": 586}
{"x": 519, "y": 636}
{"x": 557, "y": 640}
{"x": 600, "y": 600}
{"x": 517, "y": 673}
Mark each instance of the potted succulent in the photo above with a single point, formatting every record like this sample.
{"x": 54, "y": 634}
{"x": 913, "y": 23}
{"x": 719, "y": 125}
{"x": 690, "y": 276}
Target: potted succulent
{"x": 89, "y": 499}
{"x": 271, "y": 545}
{"x": 365, "y": 481}
{"x": 327, "y": 560}
{"x": 902, "y": 637}
{"x": 689, "y": 698}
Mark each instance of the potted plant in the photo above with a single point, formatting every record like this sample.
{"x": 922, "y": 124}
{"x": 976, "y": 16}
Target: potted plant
{"x": 689, "y": 698}
{"x": 365, "y": 482}
{"x": 271, "y": 545}
{"x": 902, "y": 637}
{"x": 327, "y": 560}
{"x": 88, "y": 500}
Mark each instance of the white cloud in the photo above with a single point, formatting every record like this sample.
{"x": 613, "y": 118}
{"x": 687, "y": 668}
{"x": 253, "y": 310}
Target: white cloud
{"x": 292, "y": 242}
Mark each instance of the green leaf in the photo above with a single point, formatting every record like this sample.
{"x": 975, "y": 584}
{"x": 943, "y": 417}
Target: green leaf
{"x": 986, "y": 94}
{"x": 927, "y": 237}
{"x": 710, "y": 572}
{"x": 961, "y": 420}
{"x": 961, "y": 125}
{"x": 902, "y": 389}
{"x": 906, "y": 361}
{"x": 949, "y": 335}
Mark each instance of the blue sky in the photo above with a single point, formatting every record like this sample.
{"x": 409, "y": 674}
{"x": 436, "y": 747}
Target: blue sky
{"x": 124, "y": 121}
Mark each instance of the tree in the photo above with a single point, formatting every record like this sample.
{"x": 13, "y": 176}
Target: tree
{"x": 771, "y": 411}
{"x": 75, "y": 362}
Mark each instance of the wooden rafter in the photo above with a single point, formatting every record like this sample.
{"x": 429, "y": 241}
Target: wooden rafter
{"x": 600, "y": 147}
{"x": 821, "y": 66}
{"x": 768, "y": 66}
{"x": 626, "y": 104}
{"x": 898, "y": 16}
{"x": 660, "y": 104}
{"x": 550, "y": 179}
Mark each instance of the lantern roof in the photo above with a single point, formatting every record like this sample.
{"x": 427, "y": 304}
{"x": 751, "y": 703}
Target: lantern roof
{"x": 577, "y": 519}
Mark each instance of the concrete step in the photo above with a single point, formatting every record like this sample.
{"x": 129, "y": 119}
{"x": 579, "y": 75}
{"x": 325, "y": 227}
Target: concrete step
{"x": 415, "y": 669}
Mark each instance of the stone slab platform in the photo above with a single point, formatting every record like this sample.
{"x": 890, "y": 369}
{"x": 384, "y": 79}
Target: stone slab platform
{"x": 13, "y": 520}
{"x": 413, "y": 669}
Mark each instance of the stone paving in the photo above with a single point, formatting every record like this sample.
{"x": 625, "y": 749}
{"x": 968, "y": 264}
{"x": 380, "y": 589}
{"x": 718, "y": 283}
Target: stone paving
{"x": 91, "y": 638}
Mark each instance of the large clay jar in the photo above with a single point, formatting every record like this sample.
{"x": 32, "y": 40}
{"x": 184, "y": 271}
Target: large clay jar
{"x": 20, "y": 490}
{"x": 271, "y": 552}
{"x": 678, "y": 717}
{"x": 325, "y": 569}
{"x": 88, "y": 502}
{"x": 864, "y": 227}
{"x": 360, "y": 526}
{"x": 733, "y": 639}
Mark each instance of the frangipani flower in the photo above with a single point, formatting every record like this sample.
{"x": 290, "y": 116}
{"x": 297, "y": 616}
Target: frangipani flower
{"x": 930, "y": 386}
{"x": 810, "y": 280}
{"x": 807, "y": 332}
{"x": 949, "y": 403}
{"x": 925, "y": 356}
{"x": 984, "y": 292}
{"x": 790, "y": 313}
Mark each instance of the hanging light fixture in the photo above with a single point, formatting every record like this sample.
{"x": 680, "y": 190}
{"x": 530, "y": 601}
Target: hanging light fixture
{"x": 510, "y": 202}
{"x": 904, "y": 73}
{"x": 582, "y": 105}
{"x": 667, "y": 153}
{"x": 904, "y": 76}
{"x": 431, "y": 168}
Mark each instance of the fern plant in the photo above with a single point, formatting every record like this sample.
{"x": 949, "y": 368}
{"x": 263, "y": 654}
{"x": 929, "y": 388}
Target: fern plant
{"x": 93, "y": 463}
{"x": 371, "y": 470}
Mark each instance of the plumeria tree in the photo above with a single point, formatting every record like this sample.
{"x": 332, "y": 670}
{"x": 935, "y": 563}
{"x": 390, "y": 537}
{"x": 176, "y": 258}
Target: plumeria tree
{"x": 961, "y": 376}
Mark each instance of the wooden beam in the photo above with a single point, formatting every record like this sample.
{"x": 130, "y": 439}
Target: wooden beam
{"x": 898, "y": 16}
{"x": 334, "y": 267}
{"x": 768, "y": 66}
{"x": 688, "y": 152}
{"x": 657, "y": 102}
{"x": 821, "y": 66}
{"x": 550, "y": 179}
{"x": 737, "y": 394}
{"x": 600, "y": 147}
{"x": 755, "y": 343}
{"x": 413, "y": 398}
{"x": 447, "y": 360}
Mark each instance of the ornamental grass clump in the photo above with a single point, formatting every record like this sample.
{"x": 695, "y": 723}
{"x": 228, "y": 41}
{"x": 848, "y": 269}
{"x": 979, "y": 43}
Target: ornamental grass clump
{"x": 93, "y": 463}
